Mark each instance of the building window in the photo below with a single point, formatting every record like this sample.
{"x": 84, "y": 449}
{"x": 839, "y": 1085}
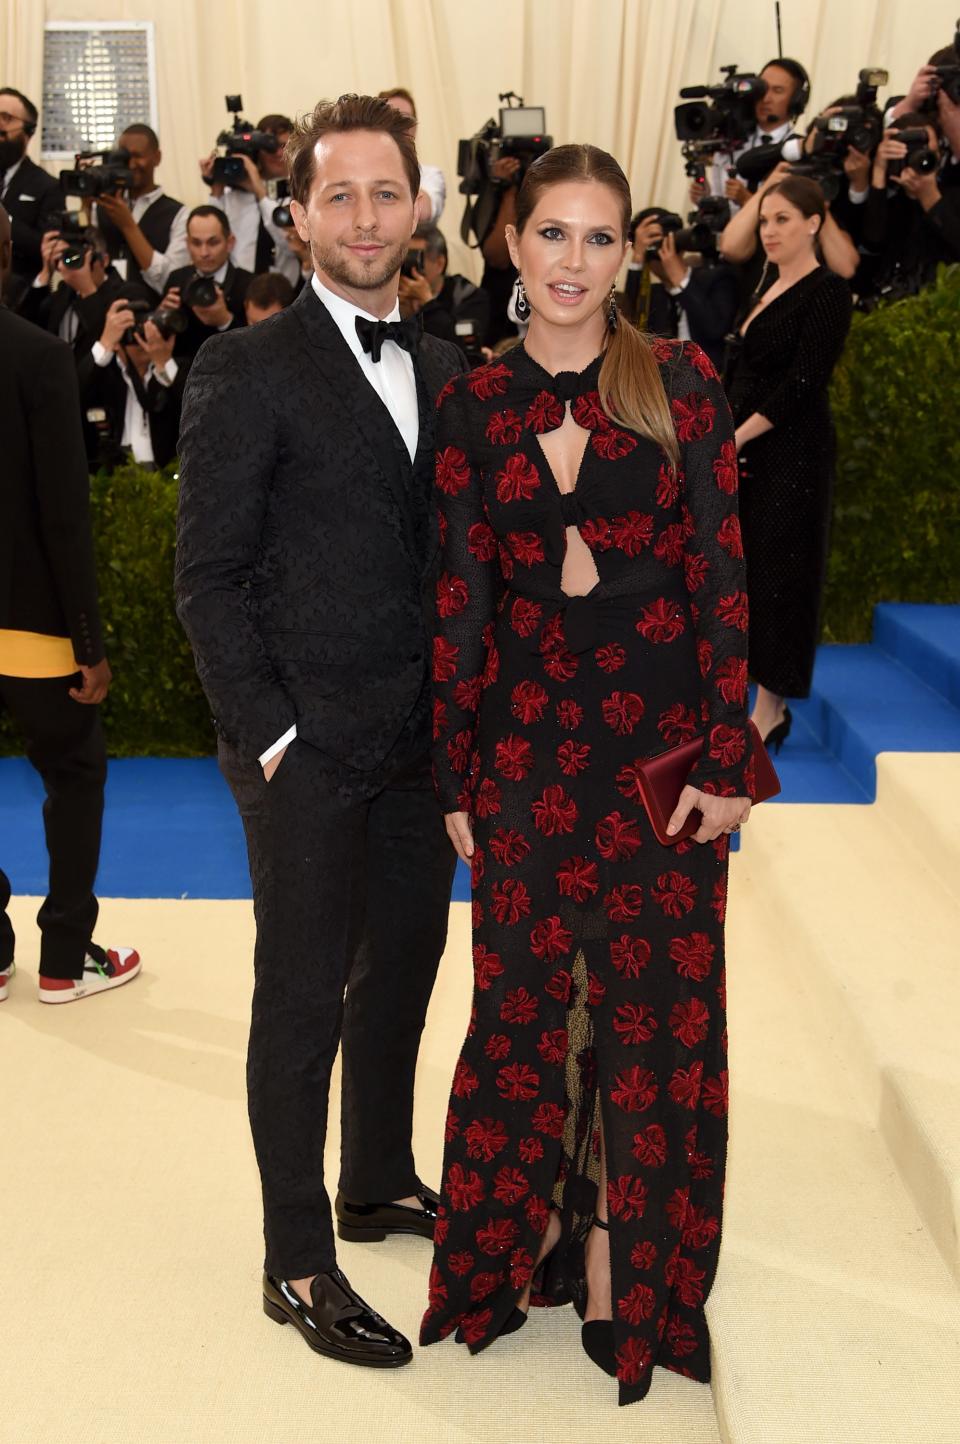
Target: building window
{"x": 98, "y": 78}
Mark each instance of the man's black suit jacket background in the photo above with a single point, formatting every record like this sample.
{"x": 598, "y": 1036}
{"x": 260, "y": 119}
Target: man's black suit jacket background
{"x": 105, "y": 387}
{"x": 32, "y": 200}
{"x": 235, "y": 284}
{"x": 47, "y": 308}
{"x": 47, "y": 578}
{"x": 304, "y": 580}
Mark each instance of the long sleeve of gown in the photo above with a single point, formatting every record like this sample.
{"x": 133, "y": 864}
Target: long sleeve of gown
{"x": 468, "y": 589}
{"x": 826, "y": 322}
{"x": 714, "y": 569}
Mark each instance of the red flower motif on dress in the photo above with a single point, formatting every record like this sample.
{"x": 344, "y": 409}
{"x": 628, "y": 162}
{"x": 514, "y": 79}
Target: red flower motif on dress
{"x": 458, "y": 750}
{"x": 554, "y": 811}
{"x": 530, "y": 1150}
{"x": 688, "y": 1282}
{"x": 485, "y": 1138}
{"x": 733, "y": 611}
{"x": 577, "y": 878}
{"x": 517, "y": 1080}
{"x": 550, "y": 940}
{"x": 675, "y": 893}
{"x": 633, "y": 1359}
{"x": 444, "y": 392}
{"x": 518, "y": 480}
{"x": 668, "y": 487}
{"x": 588, "y": 412}
{"x": 460, "y": 1263}
{"x": 538, "y": 1215}
{"x": 663, "y": 349}
{"x": 716, "y": 1094}
{"x": 553, "y": 1046}
{"x": 509, "y": 902}
{"x": 622, "y": 711}
{"x": 513, "y": 758}
{"x": 693, "y": 417}
{"x": 627, "y": 1197}
{"x": 718, "y": 902}
{"x": 690, "y": 1021}
{"x": 727, "y": 744}
{"x": 486, "y": 798}
{"x": 573, "y": 757}
{"x": 508, "y": 846}
{"x": 681, "y": 1337}
{"x": 528, "y": 701}
{"x": 453, "y": 471}
{"x": 497, "y": 1047}
{"x": 661, "y": 621}
{"x": 670, "y": 544}
{"x": 465, "y": 1189}
{"x": 624, "y": 902}
{"x": 560, "y": 986}
{"x": 441, "y": 719}
{"x": 569, "y": 714}
{"x": 465, "y": 1080}
{"x": 451, "y": 1127}
{"x": 635, "y": 1022}
{"x": 503, "y": 428}
{"x": 545, "y": 413}
{"x": 677, "y": 724}
{"x": 699, "y": 360}
{"x": 684, "y": 1085}
{"x": 611, "y": 444}
{"x": 635, "y": 1089}
{"x": 474, "y": 1325}
{"x": 730, "y": 679}
{"x": 725, "y": 468}
{"x": 629, "y": 955}
{"x": 633, "y": 532}
{"x": 699, "y": 1228}
{"x": 527, "y": 547}
{"x": 486, "y": 966}
{"x": 436, "y": 1290}
{"x": 510, "y": 1185}
{"x": 466, "y": 694}
{"x": 730, "y": 537}
{"x": 637, "y": 1305}
{"x": 643, "y": 1255}
{"x": 445, "y": 656}
{"x": 519, "y": 1006}
{"x": 497, "y": 1235}
{"x": 696, "y": 569}
{"x": 452, "y": 595}
{"x": 525, "y": 616}
{"x": 482, "y": 1286}
{"x": 487, "y": 381}
{"x": 521, "y": 1268}
{"x": 617, "y": 837}
{"x": 611, "y": 657}
{"x": 482, "y": 541}
{"x": 650, "y": 1146}
{"x": 597, "y": 534}
{"x": 548, "y": 1118}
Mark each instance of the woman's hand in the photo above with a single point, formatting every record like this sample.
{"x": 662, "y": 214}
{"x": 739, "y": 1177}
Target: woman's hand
{"x": 460, "y": 833}
{"x": 720, "y": 814}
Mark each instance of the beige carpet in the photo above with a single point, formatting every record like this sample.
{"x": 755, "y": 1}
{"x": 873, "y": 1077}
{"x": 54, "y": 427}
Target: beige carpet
{"x": 131, "y": 1237}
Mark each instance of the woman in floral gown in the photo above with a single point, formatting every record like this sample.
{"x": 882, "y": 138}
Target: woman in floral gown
{"x": 591, "y": 613}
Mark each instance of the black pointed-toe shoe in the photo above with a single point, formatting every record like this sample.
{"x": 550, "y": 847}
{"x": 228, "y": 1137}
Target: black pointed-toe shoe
{"x": 372, "y": 1222}
{"x": 337, "y": 1323}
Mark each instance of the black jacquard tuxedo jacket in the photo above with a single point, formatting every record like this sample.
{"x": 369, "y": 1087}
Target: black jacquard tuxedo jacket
{"x": 307, "y": 541}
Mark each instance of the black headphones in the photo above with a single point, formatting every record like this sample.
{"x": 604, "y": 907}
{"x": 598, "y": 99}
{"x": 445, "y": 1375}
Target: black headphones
{"x": 29, "y": 126}
{"x": 801, "y": 95}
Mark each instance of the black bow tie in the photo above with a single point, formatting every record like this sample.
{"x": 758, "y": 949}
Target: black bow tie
{"x": 373, "y": 334}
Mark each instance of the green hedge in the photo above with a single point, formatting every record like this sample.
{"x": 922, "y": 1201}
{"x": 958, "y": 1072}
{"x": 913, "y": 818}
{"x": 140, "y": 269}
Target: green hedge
{"x": 896, "y": 534}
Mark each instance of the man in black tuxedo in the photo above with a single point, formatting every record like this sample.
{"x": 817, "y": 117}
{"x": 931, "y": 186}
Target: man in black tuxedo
{"x": 210, "y": 242}
{"x": 306, "y": 572}
{"x": 77, "y": 309}
{"x": 145, "y": 230}
{"x": 53, "y": 671}
{"x": 30, "y": 196}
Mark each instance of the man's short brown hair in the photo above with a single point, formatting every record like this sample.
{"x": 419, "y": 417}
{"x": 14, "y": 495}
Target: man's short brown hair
{"x": 336, "y": 117}
{"x": 399, "y": 92}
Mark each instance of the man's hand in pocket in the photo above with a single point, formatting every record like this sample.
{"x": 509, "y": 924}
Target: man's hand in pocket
{"x": 269, "y": 768}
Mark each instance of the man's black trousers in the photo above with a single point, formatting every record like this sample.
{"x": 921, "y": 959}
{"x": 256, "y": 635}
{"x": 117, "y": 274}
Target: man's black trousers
{"x": 351, "y": 877}
{"x": 64, "y": 742}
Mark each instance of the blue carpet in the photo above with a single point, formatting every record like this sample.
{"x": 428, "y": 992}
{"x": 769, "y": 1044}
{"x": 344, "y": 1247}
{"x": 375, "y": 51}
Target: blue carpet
{"x": 171, "y": 830}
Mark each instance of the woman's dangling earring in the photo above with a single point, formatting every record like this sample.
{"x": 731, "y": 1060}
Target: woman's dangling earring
{"x": 520, "y": 303}
{"x": 613, "y": 315}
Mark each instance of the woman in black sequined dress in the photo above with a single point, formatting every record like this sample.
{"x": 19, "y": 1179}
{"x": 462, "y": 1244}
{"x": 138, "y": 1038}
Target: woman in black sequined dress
{"x": 789, "y": 342}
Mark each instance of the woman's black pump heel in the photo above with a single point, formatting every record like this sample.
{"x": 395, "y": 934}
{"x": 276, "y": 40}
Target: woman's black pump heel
{"x": 597, "y": 1336}
{"x": 775, "y": 739}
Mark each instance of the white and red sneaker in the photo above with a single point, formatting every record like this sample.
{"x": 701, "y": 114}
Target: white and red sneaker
{"x": 5, "y": 975}
{"x": 103, "y": 969}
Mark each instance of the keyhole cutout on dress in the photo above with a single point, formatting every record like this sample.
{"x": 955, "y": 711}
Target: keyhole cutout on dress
{"x": 564, "y": 450}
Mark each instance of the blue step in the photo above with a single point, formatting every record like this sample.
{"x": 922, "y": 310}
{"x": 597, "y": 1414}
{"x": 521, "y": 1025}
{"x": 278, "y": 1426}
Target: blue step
{"x": 926, "y": 639}
{"x": 864, "y": 702}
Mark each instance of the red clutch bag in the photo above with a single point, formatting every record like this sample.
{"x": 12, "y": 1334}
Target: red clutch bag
{"x": 663, "y": 778}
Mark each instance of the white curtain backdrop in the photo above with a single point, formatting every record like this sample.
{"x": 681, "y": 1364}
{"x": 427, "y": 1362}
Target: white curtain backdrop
{"x": 607, "y": 71}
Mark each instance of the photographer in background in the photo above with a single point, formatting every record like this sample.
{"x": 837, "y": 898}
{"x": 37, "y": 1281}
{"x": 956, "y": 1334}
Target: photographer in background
{"x": 261, "y": 245}
{"x": 671, "y": 296}
{"x": 30, "y": 196}
{"x": 783, "y": 102}
{"x": 131, "y": 388}
{"x": 499, "y": 277}
{"x": 145, "y": 235}
{"x": 433, "y": 185}
{"x": 76, "y": 309}
{"x": 451, "y": 307}
{"x": 211, "y": 290}
{"x": 911, "y": 220}
{"x": 267, "y": 295}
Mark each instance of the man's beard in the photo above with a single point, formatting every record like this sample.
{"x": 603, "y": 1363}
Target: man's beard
{"x": 11, "y": 151}
{"x": 358, "y": 275}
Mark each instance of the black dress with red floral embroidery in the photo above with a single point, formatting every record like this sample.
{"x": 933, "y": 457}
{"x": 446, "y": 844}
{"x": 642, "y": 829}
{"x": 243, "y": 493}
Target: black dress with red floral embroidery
{"x": 598, "y": 952}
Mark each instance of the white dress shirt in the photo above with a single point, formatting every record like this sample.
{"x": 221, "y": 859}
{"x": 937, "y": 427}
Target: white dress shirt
{"x": 136, "y": 422}
{"x": 393, "y": 378}
{"x": 717, "y": 170}
{"x": 177, "y": 253}
{"x": 245, "y": 212}
{"x": 433, "y": 182}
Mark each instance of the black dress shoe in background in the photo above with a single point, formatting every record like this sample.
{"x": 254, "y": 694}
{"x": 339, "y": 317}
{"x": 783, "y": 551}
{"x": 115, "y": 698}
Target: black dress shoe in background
{"x": 337, "y": 1323}
{"x": 371, "y": 1222}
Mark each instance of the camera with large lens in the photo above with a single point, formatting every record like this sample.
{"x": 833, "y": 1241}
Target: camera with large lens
{"x": 704, "y": 226}
{"x": 71, "y": 228}
{"x": 521, "y": 133}
{"x": 858, "y": 126}
{"x": 279, "y": 190}
{"x": 110, "y": 176}
{"x": 919, "y": 157}
{"x": 948, "y": 78}
{"x": 200, "y": 291}
{"x": 168, "y": 321}
{"x": 232, "y": 145}
{"x": 724, "y": 114}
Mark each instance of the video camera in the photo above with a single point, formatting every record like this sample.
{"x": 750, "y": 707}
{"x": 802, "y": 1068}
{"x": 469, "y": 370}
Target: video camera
{"x": 722, "y": 116}
{"x": 243, "y": 139}
{"x": 520, "y": 133}
{"x": 109, "y": 178}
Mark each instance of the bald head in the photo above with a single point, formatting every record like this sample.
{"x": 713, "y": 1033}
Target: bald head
{"x": 6, "y": 249}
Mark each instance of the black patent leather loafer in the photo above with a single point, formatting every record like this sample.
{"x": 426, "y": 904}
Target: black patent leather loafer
{"x": 337, "y": 1324}
{"x": 372, "y": 1222}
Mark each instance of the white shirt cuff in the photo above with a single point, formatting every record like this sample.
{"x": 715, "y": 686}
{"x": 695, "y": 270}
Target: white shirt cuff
{"x": 857, "y": 198}
{"x": 167, "y": 374}
{"x": 226, "y": 325}
{"x": 675, "y": 290}
{"x": 100, "y": 354}
{"x": 278, "y": 746}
